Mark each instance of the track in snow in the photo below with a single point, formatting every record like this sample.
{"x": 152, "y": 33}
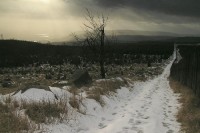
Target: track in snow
{"x": 151, "y": 108}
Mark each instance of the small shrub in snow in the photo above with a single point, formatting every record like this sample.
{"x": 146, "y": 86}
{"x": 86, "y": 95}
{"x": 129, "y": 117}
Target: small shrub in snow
{"x": 105, "y": 87}
{"x": 95, "y": 94}
{"x": 44, "y": 111}
{"x": 111, "y": 85}
{"x": 75, "y": 99}
{"x": 74, "y": 102}
{"x": 10, "y": 120}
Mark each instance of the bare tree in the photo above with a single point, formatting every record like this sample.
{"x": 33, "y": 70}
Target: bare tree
{"x": 95, "y": 37}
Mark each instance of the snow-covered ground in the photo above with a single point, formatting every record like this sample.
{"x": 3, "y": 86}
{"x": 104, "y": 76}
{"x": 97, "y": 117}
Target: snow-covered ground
{"x": 146, "y": 107}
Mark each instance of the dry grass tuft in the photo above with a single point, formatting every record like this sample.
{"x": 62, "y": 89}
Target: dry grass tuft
{"x": 36, "y": 113}
{"x": 95, "y": 93}
{"x": 75, "y": 99}
{"x": 189, "y": 114}
{"x": 74, "y": 102}
{"x": 111, "y": 85}
{"x": 45, "y": 111}
{"x": 23, "y": 116}
{"x": 10, "y": 121}
{"x": 5, "y": 91}
{"x": 105, "y": 87}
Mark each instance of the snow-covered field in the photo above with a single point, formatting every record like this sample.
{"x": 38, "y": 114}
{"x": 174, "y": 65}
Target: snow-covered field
{"x": 146, "y": 107}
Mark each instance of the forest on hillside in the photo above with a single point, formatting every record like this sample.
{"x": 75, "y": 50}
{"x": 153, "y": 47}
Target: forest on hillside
{"x": 23, "y": 53}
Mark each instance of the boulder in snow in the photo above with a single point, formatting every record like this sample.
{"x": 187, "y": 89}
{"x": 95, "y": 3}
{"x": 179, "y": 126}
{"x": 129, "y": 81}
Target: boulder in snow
{"x": 81, "y": 77}
{"x": 6, "y": 83}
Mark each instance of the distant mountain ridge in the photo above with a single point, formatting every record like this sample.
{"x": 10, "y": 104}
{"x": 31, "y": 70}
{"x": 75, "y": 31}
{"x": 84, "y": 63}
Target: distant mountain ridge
{"x": 138, "y": 36}
{"x": 143, "y": 33}
{"x": 128, "y": 36}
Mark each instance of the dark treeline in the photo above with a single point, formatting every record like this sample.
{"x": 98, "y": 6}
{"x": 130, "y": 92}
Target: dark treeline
{"x": 185, "y": 40}
{"x": 187, "y": 70}
{"x": 22, "y": 53}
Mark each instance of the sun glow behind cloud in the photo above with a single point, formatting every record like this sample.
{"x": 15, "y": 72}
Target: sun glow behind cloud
{"x": 45, "y": 1}
{"x": 54, "y": 20}
{"x": 31, "y": 19}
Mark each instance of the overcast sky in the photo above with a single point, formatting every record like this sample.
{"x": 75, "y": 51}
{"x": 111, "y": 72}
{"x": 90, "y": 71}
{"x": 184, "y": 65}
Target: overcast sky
{"x": 53, "y": 20}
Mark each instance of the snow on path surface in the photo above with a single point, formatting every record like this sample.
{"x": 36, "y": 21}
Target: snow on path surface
{"x": 149, "y": 108}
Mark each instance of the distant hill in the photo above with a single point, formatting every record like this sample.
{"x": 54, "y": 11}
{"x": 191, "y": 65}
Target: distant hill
{"x": 186, "y": 40}
{"x": 140, "y": 38}
{"x": 121, "y": 39}
{"x": 144, "y": 33}
{"x": 132, "y": 36}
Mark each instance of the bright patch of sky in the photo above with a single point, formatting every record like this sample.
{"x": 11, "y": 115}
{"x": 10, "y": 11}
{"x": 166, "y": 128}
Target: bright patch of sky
{"x": 56, "y": 20}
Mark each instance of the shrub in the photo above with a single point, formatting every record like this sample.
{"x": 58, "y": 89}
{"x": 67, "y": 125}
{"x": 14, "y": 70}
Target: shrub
{"x": 10, "y": 121}
{"x": 43, "y": 112}
{"x": 74, "y": 102}
{"x": 105, "y": 87}
{"x": 95, "y": 94}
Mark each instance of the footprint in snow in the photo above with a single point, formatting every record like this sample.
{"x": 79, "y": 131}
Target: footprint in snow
{"x": 114, "y": 113}
{"x": 170, "y": 131}
{"x": 165, "y": 124}
{"x": 147, "y": 117}
{"x": 131, "y": 121}
{"x": 140, "y": 115}
{"x": 169, "y": 111}
{"x": 115, "y": 107}
{"x": 138, "y": 122}
{"x": 101, "y": 126}
{"x": 82, "y": 129}
{"x": 136, "y": 129}
{"x": 140, "y": 131}
{"x": 131, "y": 113}
{"x": 103, "y": 119}
{"x": 125, "y": 128}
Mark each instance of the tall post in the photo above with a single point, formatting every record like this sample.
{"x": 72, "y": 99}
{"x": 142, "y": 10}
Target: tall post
{"x": 102, "y": 54}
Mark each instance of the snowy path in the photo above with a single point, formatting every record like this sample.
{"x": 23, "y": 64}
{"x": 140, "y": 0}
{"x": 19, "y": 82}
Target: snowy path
{"x": 149, "y": 108}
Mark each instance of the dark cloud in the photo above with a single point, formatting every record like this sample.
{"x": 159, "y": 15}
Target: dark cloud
{"x": 189, "y": 8}
{"x": 157, "y": 11}
{"x": 181, "y": 16}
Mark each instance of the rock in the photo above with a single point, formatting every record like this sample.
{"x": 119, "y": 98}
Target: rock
{"x": 81, "y": 77}
{"x": 6, "y": 83}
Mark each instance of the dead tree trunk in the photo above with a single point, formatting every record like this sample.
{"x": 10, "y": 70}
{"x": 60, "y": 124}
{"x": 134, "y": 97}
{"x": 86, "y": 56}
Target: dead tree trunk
{"x": 102, "y": 54}
{"x": 95, "y": 38}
